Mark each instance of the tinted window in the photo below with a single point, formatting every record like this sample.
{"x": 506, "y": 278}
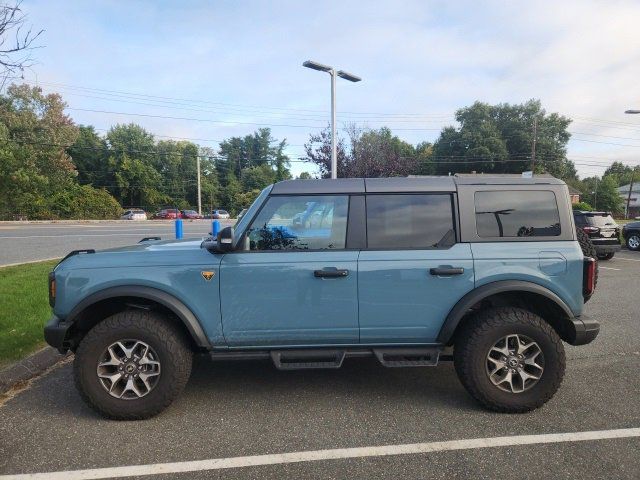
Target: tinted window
{"x": 599, "y": 220}
{"x": 300, "y": 223}
{"x": 409, "y": 221}
{"x": 517, "y": 214}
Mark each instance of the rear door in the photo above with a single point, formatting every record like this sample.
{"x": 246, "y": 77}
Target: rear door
{"x": 413, "y": 271}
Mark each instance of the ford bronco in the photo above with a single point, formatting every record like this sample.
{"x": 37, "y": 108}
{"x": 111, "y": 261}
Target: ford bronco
{"x": 489, "y": 272}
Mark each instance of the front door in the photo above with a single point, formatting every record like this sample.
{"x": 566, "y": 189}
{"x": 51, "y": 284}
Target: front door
{"x": 293, "y": 283}
{"x": 413, "y": 271}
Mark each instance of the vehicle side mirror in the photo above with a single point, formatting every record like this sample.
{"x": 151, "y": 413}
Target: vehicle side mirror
{"x": 225, "y": 239}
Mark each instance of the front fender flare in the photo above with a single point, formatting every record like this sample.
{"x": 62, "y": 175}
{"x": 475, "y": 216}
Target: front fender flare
{"x": 480, "y": 293}
{"x": 165, "y": 299}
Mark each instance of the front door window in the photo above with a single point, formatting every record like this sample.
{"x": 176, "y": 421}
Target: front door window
{"x": 300, "y": 223}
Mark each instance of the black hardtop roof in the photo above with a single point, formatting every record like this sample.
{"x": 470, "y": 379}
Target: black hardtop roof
{"x": 403, "y": 184}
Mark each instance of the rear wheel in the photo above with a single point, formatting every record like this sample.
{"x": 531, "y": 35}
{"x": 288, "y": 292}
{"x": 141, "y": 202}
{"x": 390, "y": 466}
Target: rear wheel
{"x": 132, "y": 365}
{"x": 633, "y": 241}
{"x": 606, "y": 256}
{"x": 509, "y": 359}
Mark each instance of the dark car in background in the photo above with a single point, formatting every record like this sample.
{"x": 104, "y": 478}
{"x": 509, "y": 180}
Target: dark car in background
{"x": 191, "y": 214}
{"x": 603, "y": 232}
{"x": 631, "y": 235}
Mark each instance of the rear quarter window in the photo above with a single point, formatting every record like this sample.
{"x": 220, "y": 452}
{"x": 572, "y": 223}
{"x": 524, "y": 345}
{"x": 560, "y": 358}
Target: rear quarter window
{"x": 517, "y": 214}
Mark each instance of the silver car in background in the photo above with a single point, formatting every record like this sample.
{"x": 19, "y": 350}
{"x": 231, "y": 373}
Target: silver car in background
{"x": 133, "y": 214}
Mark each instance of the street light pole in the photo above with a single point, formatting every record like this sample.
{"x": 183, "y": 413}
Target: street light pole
{"x": 334, "y": 146}
{"x": 633, "y": 170}
{"x": 347, "y": 76}
{"x": 199, "y": 192}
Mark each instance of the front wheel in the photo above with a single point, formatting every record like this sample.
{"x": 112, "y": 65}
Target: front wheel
{"x": 509, "y": 359}
{"x": 132, "y": 365}
{"x": 606, "y": 256}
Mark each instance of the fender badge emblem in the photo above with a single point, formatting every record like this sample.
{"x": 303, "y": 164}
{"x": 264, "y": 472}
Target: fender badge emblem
{"x": 208, "y": 275}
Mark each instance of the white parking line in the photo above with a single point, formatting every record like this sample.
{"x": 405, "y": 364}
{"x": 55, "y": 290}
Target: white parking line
{"x": 628, "y": 259}
{"x": 608, "y": 268}
{"x": 334, "y": 454}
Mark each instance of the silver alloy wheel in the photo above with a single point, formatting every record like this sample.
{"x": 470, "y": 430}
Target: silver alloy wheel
{"x": 515, "y": 363}
{"x": 128, "y": 369}
{"x": 634, "y": 242}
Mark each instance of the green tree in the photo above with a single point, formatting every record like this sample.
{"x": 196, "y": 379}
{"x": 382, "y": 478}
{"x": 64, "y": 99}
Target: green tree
{"x": 38, "y": 178}
{"x": 371, "y": 153}
{"x": 89, "y": 154}
{"x": 623, "y": 173}
{"x": 603, "y": 194}
{"x": 305, "y": 176}
{"x": 499, "y": 139}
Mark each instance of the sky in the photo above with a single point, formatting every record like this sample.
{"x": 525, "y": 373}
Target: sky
{"x": 226, "y": 68}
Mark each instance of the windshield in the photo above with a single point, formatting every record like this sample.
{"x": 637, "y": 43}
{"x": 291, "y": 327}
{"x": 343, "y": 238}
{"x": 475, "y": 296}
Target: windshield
{"x": 599, "y": 220}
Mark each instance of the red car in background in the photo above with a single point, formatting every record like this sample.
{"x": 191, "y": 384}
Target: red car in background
{"x": 168, "y": 214}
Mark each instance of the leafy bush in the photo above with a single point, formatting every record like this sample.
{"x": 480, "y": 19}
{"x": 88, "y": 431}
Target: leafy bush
{"x": 84, "y": 202}
{"x": 582, "y": 206}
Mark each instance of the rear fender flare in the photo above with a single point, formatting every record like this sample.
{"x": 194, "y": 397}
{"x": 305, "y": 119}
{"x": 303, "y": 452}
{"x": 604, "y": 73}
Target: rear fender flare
{"x": 465, "y": 303}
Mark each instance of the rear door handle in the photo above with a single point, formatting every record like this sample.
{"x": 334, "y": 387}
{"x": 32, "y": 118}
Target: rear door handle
{"x": 330, "y": 273}
{"x": 446, "y": 271}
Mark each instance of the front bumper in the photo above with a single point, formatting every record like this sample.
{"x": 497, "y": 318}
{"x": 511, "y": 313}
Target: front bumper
{"x": 56, "y": 334}
{"x": 585, "y": 330}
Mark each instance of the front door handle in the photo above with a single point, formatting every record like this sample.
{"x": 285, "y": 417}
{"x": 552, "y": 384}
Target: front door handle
{"x": 446, "y": 271}
{"x": 330, "y": 273}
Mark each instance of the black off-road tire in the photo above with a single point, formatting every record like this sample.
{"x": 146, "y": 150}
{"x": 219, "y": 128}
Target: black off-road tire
{"x": 481, "y": 332}
{"x": 588, "y": 250}
{"x": 173, "y": 353}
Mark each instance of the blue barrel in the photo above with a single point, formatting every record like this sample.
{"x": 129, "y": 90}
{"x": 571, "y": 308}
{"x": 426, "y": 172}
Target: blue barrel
{"x": 215, "y": 228}
{"x": 179, "y": 233}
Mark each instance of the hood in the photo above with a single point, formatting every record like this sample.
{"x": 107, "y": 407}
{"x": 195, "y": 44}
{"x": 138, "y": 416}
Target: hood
{"x": 151, "y": 253}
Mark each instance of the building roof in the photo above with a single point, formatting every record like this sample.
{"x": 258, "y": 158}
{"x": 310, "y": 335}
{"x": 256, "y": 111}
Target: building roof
{"x": 403, "y": 184}
{"x": 625, "y": 188}
{"x": 574, "y": 191}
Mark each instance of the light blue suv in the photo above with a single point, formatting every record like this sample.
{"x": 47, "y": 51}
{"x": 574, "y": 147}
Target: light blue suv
{"x": 487, "y": 271}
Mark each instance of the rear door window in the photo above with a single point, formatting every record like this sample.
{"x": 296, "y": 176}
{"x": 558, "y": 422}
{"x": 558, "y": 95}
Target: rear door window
{"x": 517, "y": 214}
{"x": 409, "y": 221}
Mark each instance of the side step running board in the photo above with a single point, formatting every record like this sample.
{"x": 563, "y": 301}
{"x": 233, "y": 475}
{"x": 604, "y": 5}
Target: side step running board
{"x": 408, "y": 357}
{"x": 303, "y": 359}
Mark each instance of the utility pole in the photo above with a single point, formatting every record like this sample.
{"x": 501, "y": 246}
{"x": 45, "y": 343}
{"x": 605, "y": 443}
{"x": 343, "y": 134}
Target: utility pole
{"x": 626, "y": 215}
{"x": 199, "y": 199}
{"x": 533, "y": 145}
{"x": 595, "y": 200}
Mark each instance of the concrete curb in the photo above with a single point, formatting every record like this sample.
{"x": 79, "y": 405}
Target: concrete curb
{"x": 29, "y": 367}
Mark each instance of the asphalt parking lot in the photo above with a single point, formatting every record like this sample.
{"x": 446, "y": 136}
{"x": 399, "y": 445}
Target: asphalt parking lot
{"x": 24, "y": 242}
{"x": 250, "y": 408}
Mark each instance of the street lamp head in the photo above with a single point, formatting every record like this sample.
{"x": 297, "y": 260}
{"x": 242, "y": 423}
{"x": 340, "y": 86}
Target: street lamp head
{"x": 317, "y": 66}
{"x": 348, "y": 76}
{"x": 632, "y": 111}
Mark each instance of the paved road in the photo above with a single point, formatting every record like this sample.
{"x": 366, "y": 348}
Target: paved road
{"x": 238, "y": 409}
{"x": 38, "y": 241}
